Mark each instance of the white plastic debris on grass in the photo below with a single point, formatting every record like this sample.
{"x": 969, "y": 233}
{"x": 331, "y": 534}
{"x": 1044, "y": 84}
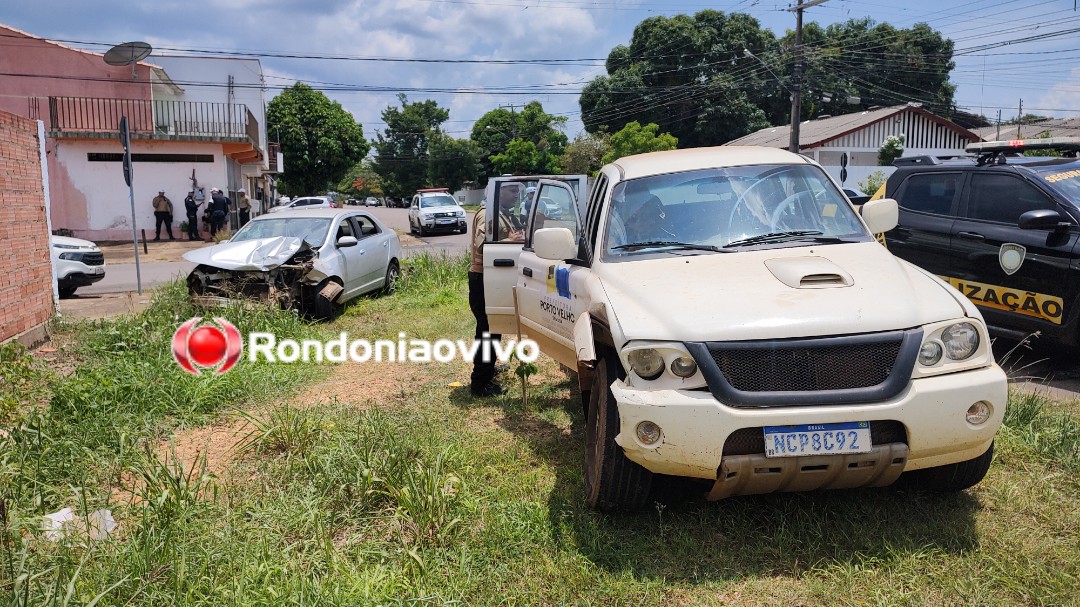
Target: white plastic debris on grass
{"x": 98, "y": 525}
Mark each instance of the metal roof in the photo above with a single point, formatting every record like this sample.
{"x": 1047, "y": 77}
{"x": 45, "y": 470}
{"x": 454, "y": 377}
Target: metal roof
{"x": 816, "y": 133}
{"x": 1057, "y": 127}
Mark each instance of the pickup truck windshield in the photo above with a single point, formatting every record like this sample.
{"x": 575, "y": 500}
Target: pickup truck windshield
{"x": 744, "y": 207}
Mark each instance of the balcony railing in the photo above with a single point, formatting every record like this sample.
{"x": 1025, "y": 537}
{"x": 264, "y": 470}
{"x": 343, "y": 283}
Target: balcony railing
{"x": 157, "y": 118}
{"x": 271, "y": 154}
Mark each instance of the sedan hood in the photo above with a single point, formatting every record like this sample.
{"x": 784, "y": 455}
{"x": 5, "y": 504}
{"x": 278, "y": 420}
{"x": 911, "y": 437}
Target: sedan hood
{"x": 248, "y": 255}
{"x": 73, "y": 242}
{"x": 772, "y": 294}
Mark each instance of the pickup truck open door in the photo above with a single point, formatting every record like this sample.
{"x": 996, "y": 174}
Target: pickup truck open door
{"x": 508, "y": 202}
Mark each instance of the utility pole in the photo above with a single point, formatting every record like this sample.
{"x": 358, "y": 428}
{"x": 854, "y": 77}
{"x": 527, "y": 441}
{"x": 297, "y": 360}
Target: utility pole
{"x": 1019, "y": 119}
{"x": 513, "y": 118}
{"x": 796, "y": 77}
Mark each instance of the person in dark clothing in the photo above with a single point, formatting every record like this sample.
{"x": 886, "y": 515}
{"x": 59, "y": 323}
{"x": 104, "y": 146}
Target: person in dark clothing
{"x": 219, "y": 209}
{"x": 192, "y": 208}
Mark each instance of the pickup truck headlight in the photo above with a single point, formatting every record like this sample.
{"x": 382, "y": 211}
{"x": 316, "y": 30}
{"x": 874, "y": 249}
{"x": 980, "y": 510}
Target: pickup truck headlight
{"x": 961, "y": 340}
{"x": 71, "y": 256}
{"x": 459, "y": 213}
{"x": 647, "y": 363}
{"x": 661, "y": 365}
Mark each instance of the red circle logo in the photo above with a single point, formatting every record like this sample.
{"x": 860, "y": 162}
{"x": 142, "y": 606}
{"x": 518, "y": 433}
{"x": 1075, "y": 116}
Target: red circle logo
{"x": 218, "y": 345}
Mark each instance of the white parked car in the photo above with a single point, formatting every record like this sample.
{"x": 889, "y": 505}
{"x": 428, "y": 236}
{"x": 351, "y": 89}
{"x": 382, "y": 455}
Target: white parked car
{"x": 732, "y": 319}
{"x": 313, "y": 260}
{"x": 305, "y": 202}
{"x": 435, "y": 210}
{"x": 79, "y": 263}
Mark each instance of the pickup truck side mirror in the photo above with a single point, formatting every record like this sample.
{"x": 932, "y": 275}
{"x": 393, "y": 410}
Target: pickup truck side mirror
{"x": 1042, "y": 219}
{"x": 346, "y": 241}
{"x": 554, "y": 244}
{"x": 881, "y": 215}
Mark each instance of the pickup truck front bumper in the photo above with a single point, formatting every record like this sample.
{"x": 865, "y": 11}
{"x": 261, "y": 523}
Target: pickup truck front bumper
{"x": 695, "y": 428}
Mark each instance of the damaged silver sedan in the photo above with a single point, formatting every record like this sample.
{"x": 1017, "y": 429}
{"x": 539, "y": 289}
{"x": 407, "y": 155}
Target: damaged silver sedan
{"x": 309, "y": 260}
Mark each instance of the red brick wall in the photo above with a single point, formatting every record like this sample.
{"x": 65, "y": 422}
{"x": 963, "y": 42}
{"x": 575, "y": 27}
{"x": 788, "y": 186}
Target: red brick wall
{"x": 26, "y": 290}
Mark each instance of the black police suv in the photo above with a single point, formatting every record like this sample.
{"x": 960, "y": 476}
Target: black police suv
{"x": 1002, "y": 228}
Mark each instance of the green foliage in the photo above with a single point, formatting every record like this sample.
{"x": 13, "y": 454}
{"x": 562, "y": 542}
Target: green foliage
{"x": 891, "y": 149}
{"x": 23, "y": 382}
{"x": 585, "y": 154}
{"x": 319, "y": 138}
{"x": 453, "y": 162}
{"x": 402, "y": 147}
{"x": 361, "y": 181}
{"x": 1054, "y": 437}
{"x": 690, "y": 74}
{"x": 497, "y": 131}
{"x": 1046, "y": 153}
{"x": 523, "y": 158}
{"x": 636, "y": 139}
{"x": 872, "y": 183}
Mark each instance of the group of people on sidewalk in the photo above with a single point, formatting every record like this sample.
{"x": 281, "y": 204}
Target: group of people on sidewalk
{"x": 214, "y": 216}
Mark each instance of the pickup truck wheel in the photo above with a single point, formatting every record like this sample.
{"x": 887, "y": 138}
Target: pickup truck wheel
{"x": 612, "y": 481}
{"x": 67, "y": 291}
{"x": 951, "y": 477}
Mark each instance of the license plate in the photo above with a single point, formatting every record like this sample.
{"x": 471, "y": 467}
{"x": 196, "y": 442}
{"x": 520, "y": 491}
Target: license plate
{"x": 98, "y": 270}
{"x": 817, "y": 439}
{"x": 445, "y": 221}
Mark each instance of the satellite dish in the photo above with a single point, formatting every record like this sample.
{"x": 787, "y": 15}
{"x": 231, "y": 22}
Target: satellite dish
{"x": 128, "y": 53}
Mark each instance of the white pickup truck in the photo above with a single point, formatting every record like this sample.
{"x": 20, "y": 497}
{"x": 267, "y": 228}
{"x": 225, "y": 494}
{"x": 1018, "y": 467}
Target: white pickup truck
{"x": 732, "y": 319}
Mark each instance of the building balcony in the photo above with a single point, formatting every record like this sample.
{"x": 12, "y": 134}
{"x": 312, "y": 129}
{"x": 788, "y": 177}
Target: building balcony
{"x": 99, "y": 118}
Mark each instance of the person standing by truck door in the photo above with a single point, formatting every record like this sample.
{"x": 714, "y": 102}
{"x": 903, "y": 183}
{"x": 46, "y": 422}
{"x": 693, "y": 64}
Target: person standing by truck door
{"x": 483, "y": 374}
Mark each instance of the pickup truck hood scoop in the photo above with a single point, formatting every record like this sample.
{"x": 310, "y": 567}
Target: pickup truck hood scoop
{"x": 838, "y": 289}
{"x": 808, "y": 272}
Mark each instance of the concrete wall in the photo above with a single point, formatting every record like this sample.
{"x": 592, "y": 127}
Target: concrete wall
{"x": 104, "y": 195}
{"x": 26, "y": 277}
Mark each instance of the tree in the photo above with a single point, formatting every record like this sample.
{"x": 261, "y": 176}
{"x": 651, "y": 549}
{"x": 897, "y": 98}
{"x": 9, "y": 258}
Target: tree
{"x": 690, "y": 76}
{"x": 319, "y": 138}
{"x": 496, "y": 130}
{"x": 361, "y": 181}
{"x": 453, "y": 162}
{"x": 585, "y": 154}
{"x": 712, "y": 77}
{"x": 524, "y": 157}
{"x": 402, "y": 148}
{"x": 637, "y": 139}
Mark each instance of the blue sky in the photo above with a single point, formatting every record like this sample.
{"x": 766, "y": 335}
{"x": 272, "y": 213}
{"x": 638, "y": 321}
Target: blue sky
{"x": 1044, "y": 72}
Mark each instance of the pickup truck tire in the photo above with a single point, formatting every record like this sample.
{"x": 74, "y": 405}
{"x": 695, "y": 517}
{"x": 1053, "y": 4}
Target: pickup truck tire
{"x": 66, "y": 292}
{"x": 612, "y": 481}
{"x": 951, "y": 477}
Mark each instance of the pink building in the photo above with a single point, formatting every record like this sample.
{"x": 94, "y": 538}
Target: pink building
{"x": 179, "y": 138}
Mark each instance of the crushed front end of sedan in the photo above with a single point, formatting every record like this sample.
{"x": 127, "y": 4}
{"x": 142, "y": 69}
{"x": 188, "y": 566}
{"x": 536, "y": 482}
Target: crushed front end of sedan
{"x": 274, "y": 271}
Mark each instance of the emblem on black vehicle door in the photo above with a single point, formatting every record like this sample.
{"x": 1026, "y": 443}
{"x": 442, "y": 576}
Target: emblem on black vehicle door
{"x": 1011, "y": 257}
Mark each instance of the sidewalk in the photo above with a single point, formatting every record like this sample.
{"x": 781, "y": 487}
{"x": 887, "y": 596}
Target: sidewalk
{"x": 165, "y": 250}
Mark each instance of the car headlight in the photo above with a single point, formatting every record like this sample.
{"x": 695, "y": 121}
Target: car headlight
{"x": 460, "y": 213}
{"x": 71, "y": 256}
{"x": 961, "y": 340}
{"x": 646, "y": 362}
{"x": 930, "y": 353}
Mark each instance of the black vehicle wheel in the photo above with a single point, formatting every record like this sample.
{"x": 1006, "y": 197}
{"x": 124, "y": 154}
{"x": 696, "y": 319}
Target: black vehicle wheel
{"x": 951, "y": 477}
{"x": 393, "y": 274}
{"x": 612, "y": 481}
{"x": 67, "y": 291}
{"x": 423, "y": 230}
{"x": 412, "y": 228}
{"x": 324, "y": 308}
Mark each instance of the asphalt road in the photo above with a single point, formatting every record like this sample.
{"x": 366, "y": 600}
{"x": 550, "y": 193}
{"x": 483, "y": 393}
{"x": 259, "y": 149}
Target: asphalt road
{"x": 398, "y": 219}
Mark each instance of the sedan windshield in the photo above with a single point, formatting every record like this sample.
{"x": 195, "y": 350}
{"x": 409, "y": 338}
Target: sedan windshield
{"x": 311, "y": 229}
{"x": 726, "y": 209}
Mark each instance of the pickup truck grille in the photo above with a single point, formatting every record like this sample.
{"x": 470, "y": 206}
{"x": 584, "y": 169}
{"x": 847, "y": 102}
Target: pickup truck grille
{"x": 813, "y": 371}
{"x": 93, "y": 259}
{"x": 445, "y": 214}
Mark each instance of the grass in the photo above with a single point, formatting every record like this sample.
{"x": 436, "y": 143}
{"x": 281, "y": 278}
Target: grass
{"x": 415, "y": 493}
